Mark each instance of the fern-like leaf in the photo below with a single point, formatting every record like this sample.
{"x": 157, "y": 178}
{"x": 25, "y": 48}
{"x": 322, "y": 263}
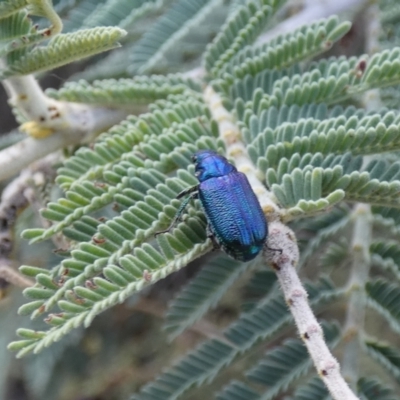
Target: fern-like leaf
{"x": 85, "y": 301}
{"x": 263, "y": 321}
{"x": 65, "y": 48}
{"x": 164, "y": 34}
{"x": 9, "y": 7}
{"x": 386, "y": 354}
{"x": 281, "y": 366}
{"x": 384, "y": 296}
{"x": 261, "y": 283}
{"x": 139, "y": 90}
{"x": 202, "y": 293}
{"x": 386, "y": 254}
{"x": 287, "y": 50}
{"x": 239, "y": 391}
{"x": 240, "y": 30}
{"x": 120, "y": 13}
{"x": 313, "y": 390}
{"x": 373, "y": 389}
{"x": 148, "y": 196}
{"x": 336, "y": 222}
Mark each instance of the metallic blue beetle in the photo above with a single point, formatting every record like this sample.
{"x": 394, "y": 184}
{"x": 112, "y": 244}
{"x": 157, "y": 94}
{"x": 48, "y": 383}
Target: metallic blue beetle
{"x": 236, "y": 222}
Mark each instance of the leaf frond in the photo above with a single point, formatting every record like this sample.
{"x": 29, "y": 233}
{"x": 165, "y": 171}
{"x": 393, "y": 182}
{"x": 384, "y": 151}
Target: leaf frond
{"x": 112, "y": 92}
{"x": 373, "y": 389}
{"x": 281, "y": 366}
{"x": 286, "y": 50}
{"x": 17, "y": 33}
{"x": 82, "y": 300}
{"x": 111, "y": 165}
{"x": 389, "y": 218}
{"x": 202, "y": 293}
{"x": 120, "y": 13}
{"x": 386, "y": 355}
{"x": 386, "y": 255}
{"x": 9, "y": 7}
{"x": 315, "y": 183}
{"x": 335, "y": 223}
{"x": 239, "y": 391}
{"x": 93, "y": 163}
{"x": 164, "y": 34}
{"x": 277, "y": 372}
{"x": 65, "y": 48}
{"x": 369, "y": 134}
{"x": 240, "y": 30}
{"x": 328, "y": 81}
{"x": 382, "y": 69}
{"x": 384, "y": 296}
{"x": 202, "y": 364}
{"x": 313, "y": 390}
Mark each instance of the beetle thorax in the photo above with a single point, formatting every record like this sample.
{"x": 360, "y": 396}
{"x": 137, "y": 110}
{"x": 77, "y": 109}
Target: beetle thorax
{"x": 209, "y": 164}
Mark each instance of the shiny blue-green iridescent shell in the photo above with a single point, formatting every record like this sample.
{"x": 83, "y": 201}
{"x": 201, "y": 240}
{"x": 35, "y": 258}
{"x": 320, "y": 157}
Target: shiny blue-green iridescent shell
{"x": 233, "y": 211}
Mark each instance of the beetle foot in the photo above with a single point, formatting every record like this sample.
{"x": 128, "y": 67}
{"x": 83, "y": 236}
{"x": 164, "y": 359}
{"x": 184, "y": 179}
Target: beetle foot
{"x": 214, "y": 241}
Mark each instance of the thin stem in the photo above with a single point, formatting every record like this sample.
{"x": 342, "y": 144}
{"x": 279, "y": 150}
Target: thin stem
{"x": 235, "y": 149}
{"x": 281, "y": 237}
{"x": 361, "y": 241}
{"x": 14, "y": 277}
{"x": 46, "y": 10}
{"x": 296, "y": 297}
{"x": 357, "y": 300}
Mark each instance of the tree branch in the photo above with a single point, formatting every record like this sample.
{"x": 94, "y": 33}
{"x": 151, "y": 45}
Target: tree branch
{"x": 284, "y": 264}
{"x": 281, "y": 237}
{"x": 235, "y": 149}
{"x": 12, "y": 276}
{"x": 51, "y": 124}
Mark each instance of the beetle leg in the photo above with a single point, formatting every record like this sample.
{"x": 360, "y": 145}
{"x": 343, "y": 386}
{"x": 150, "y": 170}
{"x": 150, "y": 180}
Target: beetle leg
{"x": 192, "y": 191}
{"x": 181, "y": 209}
{"x": 214, "y": 241}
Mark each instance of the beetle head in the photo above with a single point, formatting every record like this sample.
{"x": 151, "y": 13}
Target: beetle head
{"x": 209, "y": 164}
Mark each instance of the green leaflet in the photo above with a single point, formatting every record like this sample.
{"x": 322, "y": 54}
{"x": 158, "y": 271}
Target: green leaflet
{"x": 120, "y": 13}
{"x": 239, "y": 391}
{"x": 384, "y": 296}
{"x": 387, "y": 355}
{"x": 182, "y": 17}
{"x": 117, "y": 174}
{"x": 371, "y": 388}
{"x": 90, "y": 164}
{"x": 202, "y": 293}
{"x": 112, "y": 92}
{"x": 203, "y": 363}
{"x": 331, "y": 135}
{"x": 63, "y": 49}
{"x": 313, "y": 390}
{"x": 385, "y": 254}
{"x": 316, "y": 184}
{"x": 283, "y": 365}
{"x": 10, "y": 7}
{"x": 286, "y": 50}
{"x": 122, "y": 189}
{"x": 241, "y": 29}
{"x": 147, "y": 265}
